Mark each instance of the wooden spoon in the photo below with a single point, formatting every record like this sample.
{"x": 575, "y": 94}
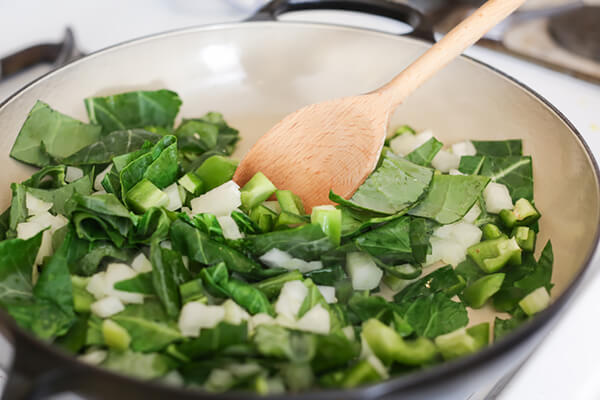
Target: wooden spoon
{"x": 336, "y": 144}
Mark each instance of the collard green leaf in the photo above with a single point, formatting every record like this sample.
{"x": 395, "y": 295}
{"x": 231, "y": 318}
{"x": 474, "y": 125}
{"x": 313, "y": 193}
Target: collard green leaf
{"x": 392, "y": 188}
{"x": 43, "y": 318}
{"x": 152, "y": 226}
{"x": 450, "y": 197}
{"x": 75, "y": 339}
{"x": 333, "y": 351}
{"x": 149, "y": 326}
{"x": 63, "y": 198}
{"x": 471, "y": 165}
{"x": 18, "y": 207}
{"x": 421, "y": 230}
{"x": 469, "y": 271}
{"x": 197, "y": 136}
{"x": 208, "y": 224}
{"x": 114, "y": 144}
{"x": 54, "y": 282}
{"x": 96, "y": 252}
{"x": 328, "y": 275}
{"x": 168, "y": 272}
{"x": 95, "y": 228}
{"x": 139, "y": 365}
{"x": 141, "y": 283}
{"x": 107, "y": 204}
{"x": 542, "y": 273}
{"x": 133, "y": 110}
{"x": 498, "y": 148}
{"x": 423, "y": 154}
{"x": 217, "y": 280}
{"x": 390, "y": 243}
{"x": 48, "y": 134}
{"x": 199, "y": 247}
{"x": 245, "y": 223}
{"x": 307, "y": 242}
{"x": 16, "y": 262}
{"x": 516, "y": 172}
{"x": 503, "y": 327}
{"x": 444, "y": 280}
{"x": 272, "y": 286}
{"x": 49, "y": 177}
{"x": 274, "y": 341}
{"x": 213, "y": 340}
{"x": 4, "y": 223}
{"x": 434, "y": 315}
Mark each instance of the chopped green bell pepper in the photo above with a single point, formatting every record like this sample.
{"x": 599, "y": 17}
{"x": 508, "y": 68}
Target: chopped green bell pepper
{"x": 492, "y": 255}
{"x": 256, "y": 190}
{"x": 523, "y": 213}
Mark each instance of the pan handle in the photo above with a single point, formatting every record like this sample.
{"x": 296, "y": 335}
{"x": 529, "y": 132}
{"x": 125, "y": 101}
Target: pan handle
{"x": 422, "y": 29}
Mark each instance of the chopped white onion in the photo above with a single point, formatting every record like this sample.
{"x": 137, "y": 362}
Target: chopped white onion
{"x": 100, "y": 177}
{"x": 36, "y": 206}
{"x": 445, "y": 161}
{"x": 365, "y": 275}
{"x": 465, "y": 148}
{"x": 472, "y": 215}
{"x": 195, "y": 316}
{"x": 316, "y": 320}
{"x": 172, "y": 192}
{"x": 290, "y": 299}
{"x": 97, "y": 285}
{"x": 107, "y": 307}
{"x": 229, "y": 227}
{"x": 455, "y": 172}
{"x": 328, "y": 293}
{"x": 275, "y": 258}
{"x": 497, "y": 198}
{"x": 141, "y": 264}
{"x": 221, "y": 200}
{"x": 94, "y": 357}
{"x": 117, "y": 272}
{"x": 234, "y": 314}
{"x": 72, "y": 174}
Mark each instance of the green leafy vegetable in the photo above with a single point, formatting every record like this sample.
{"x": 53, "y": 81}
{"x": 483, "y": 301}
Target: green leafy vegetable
{"x": 47, "y": 135}
{"x": 423, "y": 154}
{"x": 516, "y": 172}
{"x": 133, "y": 110}
{"x": 450, "y": 197}
{"x": 498, "y": 148}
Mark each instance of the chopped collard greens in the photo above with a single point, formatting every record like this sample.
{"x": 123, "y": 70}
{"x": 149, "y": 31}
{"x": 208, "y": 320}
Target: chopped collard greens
{"x": 133, "y": 249}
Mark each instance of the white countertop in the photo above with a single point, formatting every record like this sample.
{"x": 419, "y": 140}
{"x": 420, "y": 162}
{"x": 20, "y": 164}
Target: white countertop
{"x": 566, "y": 365}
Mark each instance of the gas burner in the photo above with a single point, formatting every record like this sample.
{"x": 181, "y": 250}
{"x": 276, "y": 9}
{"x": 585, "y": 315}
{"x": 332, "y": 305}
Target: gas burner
{"x": 562, "y": 35}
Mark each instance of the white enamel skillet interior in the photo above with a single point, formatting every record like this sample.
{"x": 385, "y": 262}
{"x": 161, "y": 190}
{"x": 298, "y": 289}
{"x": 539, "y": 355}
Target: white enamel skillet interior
{"x": 255, "y": 73}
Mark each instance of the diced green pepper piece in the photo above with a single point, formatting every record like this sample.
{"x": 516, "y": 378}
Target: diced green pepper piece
{"x": 482, "y": 289}
{"x": 192, "y": 183}
{"x": 395, "y": 283}
{"x": 523, "y": 213}
{"x": 82, "y": 299}
{"x": 263, "y": 217}
{"x": 256, "y": 190}
{"x": 287, "y": 219}
{"x": 330, "y": 219}
{"x": 215, "y": 171}
{"x": 193, "y": 291}
{"x": 361, "y": 373}
{"x": 525, "y": 237}
{"x": 535, "y": 301}
{"x": 115, "y": 336}
{"x": 492, "y": 255}
{"x": 144, "y": 195}
{"x": 481, "y": 334}
{"x": 401, "y": 326}
{"x": 389, "y": 346}
{"x": 289, "y": 202}
{"x": 491, "y": 231}
{"x": 456, "y": 344}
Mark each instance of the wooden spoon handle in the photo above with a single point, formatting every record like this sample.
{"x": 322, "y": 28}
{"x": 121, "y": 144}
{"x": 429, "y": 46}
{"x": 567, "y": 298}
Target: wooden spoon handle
{"x": 452, "y": 45}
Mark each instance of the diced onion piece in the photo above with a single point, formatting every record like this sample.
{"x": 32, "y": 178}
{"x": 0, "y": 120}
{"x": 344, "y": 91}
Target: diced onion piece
{"x": 36, "y": 206}
{"x": 445, "y": 161}
{"x": 286, "y": 321}
{"x": 166, "y": 244}
{"x": 107, "y": 307}
{"x": 407, "y": 142}
{"x": 349, "y": 332}
{"x": 465, "y": 148}
{"x": 229, "y": 227}
{"x": 535, "y": 301}
{"x": 141, "y": 264}
{"x": 117, "y": 272}
{"x": 316, "y": 320}
{"x": 100, "y": 177}
{"x": 277, "y": 258}
{"x": 45, "y": 219}
{"x": 447, "y": 250}
{"x": 378, "y": 366}
{"x": 27, "y": 230}
{"x": 195, "y": 316}
{"x": 234, "y": 314}
{"x": 302, "y": 266}
{"x": 262, "y": 319}
{"x": 455, "y": 172}
{"x": 172, "y": 192}
{"x": 97, "y": 285}
{"x": 328, "y": 293}
{"x": 221, "y": 200}
{"x": 364, "y": 273}
{"x": 497, "y": 198}
{"x": 72, "y": 174}
{"x": 472, "y": 215}
{"x": 94, "y": 357}
{"x": 460, "y": 232}
{"x": 45, "y": 248}
{"x": 290, "y": 299}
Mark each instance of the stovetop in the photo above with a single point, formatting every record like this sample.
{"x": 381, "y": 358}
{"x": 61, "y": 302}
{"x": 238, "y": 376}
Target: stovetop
{"x": 566, "y": 363}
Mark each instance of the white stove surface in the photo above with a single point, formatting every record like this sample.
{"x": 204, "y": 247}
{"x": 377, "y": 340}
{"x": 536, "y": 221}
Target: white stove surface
{"x": 565, "y": 366}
